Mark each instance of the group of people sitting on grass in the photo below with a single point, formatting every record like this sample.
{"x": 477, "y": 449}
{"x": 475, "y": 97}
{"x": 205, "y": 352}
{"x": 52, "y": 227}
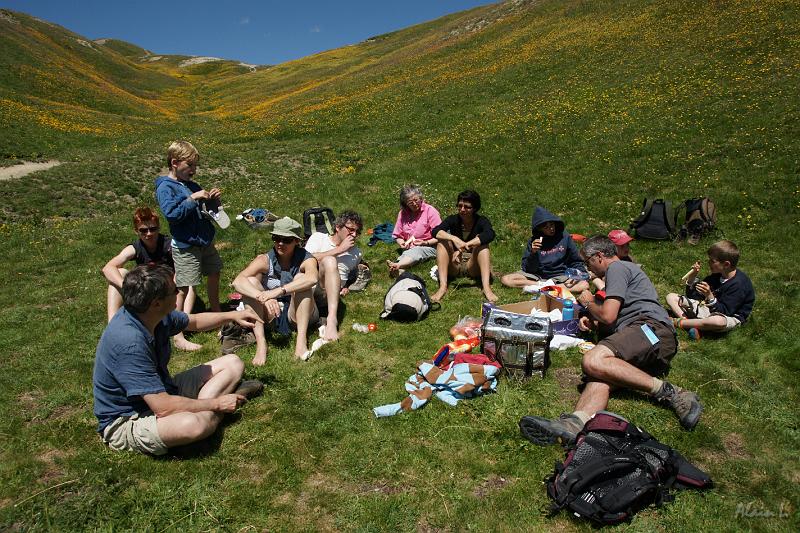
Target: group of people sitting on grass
{"x": 140, "y": 406}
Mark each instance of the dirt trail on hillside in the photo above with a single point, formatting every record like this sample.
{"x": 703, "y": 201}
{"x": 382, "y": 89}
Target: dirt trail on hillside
{"x": 18, "y": 171}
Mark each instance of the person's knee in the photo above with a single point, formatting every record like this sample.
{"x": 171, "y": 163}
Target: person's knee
{"x": 672, "y": 298}
{"x": 193, "y": 426}
{"x": 329, "y": 264}
{"x": 594, "y": 361}
{"x": 233, "y": 364}
{"x": 508, "y": 279}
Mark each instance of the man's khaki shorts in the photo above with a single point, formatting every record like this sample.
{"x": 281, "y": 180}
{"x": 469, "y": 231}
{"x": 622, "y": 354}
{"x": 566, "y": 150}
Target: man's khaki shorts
{"x": 194, "y": 262}
{"x": 139, "y": 433}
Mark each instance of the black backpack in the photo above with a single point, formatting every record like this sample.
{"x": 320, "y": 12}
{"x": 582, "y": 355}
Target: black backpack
{"x": 318, "y": 219}
{"x": 615, "y": 469}
{"x": 407, "y": 299}
{"x": 657, "y": 221}
{"x": 700, "y": 219}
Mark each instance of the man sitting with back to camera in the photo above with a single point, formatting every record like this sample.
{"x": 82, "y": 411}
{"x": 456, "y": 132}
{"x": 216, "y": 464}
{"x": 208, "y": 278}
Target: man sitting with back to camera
{"x": 139, "y": 405}
{"x": 638, "y": 351}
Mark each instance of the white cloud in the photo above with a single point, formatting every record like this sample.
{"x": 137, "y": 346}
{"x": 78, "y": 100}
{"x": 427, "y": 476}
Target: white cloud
{"x": 244, "y": 21}
{"x": 315, "y": 29}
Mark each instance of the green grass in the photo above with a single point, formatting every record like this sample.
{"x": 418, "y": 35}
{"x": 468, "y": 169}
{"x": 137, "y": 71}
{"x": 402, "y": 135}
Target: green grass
{"x": 583, "y": 107}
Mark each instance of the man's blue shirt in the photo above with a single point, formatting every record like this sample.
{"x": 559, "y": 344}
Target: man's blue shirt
{"x": 130, "y": 362}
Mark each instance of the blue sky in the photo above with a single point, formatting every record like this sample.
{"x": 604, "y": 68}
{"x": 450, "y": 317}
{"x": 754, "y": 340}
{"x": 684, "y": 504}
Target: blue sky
{"x": 259, "y": 32}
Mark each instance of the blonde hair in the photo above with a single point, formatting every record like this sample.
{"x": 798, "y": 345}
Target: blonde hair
{"x": 182, "y": 151}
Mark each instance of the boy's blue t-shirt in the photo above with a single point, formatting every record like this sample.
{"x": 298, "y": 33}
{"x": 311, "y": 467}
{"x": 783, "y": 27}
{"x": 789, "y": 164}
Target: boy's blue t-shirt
{"x": 186, "y": 223}
{"x": 129, "y": 363}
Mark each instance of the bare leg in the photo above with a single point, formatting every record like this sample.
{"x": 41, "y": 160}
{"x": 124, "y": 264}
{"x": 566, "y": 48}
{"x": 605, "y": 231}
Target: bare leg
{"x": 601, "y": 364}
{"x": 262, "y": 349}
{"x": 114, "y": 297}
{"x": 444, "y": 251}
{"x": 301, "y": 311}
{"x": 332, "y": 284}
{"x": 480, "y": 264}
{"x": 593, "y": 398}
{"x": 213, "y": 292}
{"x": 673, "y": 303}
{"x": 185, "y": 299}
{"x": 184, "y": 428}
{"x": 711, "y": 323}
{"x": 516, "y": 280}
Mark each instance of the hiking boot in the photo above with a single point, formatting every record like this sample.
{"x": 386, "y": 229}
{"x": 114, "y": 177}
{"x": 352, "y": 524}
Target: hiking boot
{"x": 686, "y": 404}
{"x": 234, "y": 336}
{"x": 363, "y": 278}
{"x": 249, "y": 388}
{"x": 544, "y": 431}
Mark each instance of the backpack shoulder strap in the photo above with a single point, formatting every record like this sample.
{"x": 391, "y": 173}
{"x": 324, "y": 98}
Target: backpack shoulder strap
{"x": 647, "y": 206}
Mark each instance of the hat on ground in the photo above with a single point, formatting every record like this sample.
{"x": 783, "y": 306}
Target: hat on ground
{"x": 287, "y": 227}
{"x": 619, "y": 237}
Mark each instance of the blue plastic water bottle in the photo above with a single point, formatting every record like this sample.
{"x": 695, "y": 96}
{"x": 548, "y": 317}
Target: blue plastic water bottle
{"x": 568, "y": 311}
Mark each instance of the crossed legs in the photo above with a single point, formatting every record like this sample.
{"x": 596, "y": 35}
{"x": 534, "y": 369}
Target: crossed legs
{"x": 184, "y": 428}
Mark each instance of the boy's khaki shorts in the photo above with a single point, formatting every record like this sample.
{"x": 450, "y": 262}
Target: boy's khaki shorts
{"x": 697, "y": 309}
{"x": 194, "y": 262}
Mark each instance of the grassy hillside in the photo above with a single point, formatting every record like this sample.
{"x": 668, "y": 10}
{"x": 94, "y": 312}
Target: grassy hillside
{"x": 583, "y": 107}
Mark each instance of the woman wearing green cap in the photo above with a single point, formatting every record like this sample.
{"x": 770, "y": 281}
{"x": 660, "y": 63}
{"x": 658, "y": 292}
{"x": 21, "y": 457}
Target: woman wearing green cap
{"x": 278, "y": 286}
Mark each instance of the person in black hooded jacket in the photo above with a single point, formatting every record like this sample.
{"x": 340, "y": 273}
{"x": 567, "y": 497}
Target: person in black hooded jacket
{"x": 549, "y": 252}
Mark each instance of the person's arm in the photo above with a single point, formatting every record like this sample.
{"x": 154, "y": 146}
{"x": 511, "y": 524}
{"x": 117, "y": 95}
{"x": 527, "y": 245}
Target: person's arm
{"x": 397, "y": 232}
{"x": 605, "y": 313}
{"x": 206, "y": 321}
{"x": 307, "y": 277}
{"x": 343, "y": 247}
{"x": 485, "y": 232}
{"x": 530, "y": 258}
{"x": 258, "y": 266}
{"x": 175, "y": 207}
{"x": 164, "y": 404}
{"x": 444, "y": 231}
{"x": 111, "y": 269}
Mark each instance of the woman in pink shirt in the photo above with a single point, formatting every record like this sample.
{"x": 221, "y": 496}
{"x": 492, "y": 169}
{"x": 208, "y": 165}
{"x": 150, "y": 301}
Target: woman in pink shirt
{"x": 412, "y": 231}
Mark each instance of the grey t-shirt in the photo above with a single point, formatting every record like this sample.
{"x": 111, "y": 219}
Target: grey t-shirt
{"x": 627, "y": 282}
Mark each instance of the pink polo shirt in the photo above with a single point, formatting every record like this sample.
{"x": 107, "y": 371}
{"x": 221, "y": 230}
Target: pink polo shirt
{"x": 419, "y": 226}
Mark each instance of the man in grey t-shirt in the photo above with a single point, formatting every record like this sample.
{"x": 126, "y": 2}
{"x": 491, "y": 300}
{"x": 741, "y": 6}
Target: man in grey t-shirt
{"x": 638, "y": 351}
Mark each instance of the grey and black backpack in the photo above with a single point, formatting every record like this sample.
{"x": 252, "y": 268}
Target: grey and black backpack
{"x": 657, "y": 220}
{"x": 615, "y": 469}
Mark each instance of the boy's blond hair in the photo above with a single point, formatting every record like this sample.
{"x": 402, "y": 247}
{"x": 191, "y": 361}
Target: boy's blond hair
{"x": 182, "y": 151}
{"x": 724, "y": 251}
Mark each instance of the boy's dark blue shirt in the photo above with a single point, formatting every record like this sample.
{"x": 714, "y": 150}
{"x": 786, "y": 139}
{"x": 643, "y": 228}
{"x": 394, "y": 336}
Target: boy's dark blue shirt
{"x": 557, "y": 252}
{"x": 735, "y": 297}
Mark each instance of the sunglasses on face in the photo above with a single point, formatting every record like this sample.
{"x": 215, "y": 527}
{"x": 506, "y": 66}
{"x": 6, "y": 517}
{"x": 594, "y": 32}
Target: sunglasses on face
{"x": 464, "y": 206}
{"x": 278, "y": 239}
{"x": 148, "y": 229}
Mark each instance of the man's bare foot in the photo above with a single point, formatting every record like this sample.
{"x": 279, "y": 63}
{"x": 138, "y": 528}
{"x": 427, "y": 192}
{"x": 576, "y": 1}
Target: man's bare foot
{"x": 490, "y": 296}
{"x": 187, "y": 346}
{"x": 301, "y": 354}
{"x": 394, "y": 269}
{"x": 260, "y": 358}
{"x": 438, "y": 295}
{"x": 331, "y": 331}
